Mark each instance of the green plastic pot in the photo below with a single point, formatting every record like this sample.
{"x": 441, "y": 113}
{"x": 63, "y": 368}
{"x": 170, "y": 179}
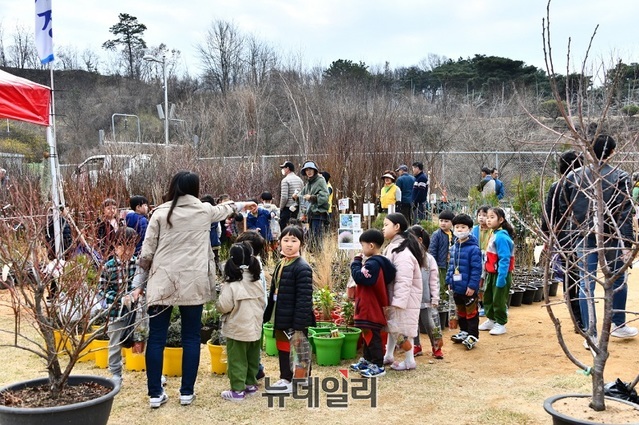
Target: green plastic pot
{"x": 328, "y": 350}
{"x": 329, "y": 325}
{"x": 349, "y": 347}
{"x": 270, "y": 346}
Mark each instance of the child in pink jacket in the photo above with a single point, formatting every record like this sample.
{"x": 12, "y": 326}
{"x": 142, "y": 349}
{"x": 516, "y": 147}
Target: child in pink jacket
{"x": 405, "y": 292}
{"x": 430, "y": 296}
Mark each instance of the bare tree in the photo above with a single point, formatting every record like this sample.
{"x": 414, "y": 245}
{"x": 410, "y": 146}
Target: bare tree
{"x": 588, "y": 221}
{"x": 221, "y": 54}
{"x": 90, "y": 60}
{"x": 3, "y": 55}
{"x": 67, "y": 58}
{"x": 22, "y": 53}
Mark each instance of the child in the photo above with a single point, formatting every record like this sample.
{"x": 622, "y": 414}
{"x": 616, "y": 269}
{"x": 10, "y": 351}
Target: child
{"x": 259, "y": 219}
{"x": 119, "y": 293}
{"x": 258, "y": 243}
{"x": 370, "y": 301}
{"x": 242, "y": 303}
{"x": 292, "y": 289}
{"x": 106, "y": 227}
{"x": 267, "y": 204}
{"x": 464, "y": 273}
{"x": 405, "y": 292}
{"x": 500, "y": 262}
{"x": 136, "y": 218}
{"x": 440, "y": 243}
{"x": 482, "y": 233}
{"x": 430, "y": 295}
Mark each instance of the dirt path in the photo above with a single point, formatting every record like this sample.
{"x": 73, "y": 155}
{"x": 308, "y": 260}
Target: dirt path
{"x": 504, "y": 380}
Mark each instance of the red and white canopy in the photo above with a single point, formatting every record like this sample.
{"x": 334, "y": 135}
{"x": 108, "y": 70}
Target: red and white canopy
{"x": 24, "y": 100}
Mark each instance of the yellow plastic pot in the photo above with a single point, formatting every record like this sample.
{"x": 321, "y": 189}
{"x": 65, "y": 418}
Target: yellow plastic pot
{"x": 101, "y": 353}
{"x": 137, "y": 362}
{"x": 219, "y": 364}
{"x": 172, "y": 365}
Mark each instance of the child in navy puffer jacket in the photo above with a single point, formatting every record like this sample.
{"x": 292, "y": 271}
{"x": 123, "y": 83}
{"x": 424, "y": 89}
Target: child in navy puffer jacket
{"x": 464, "y": 273}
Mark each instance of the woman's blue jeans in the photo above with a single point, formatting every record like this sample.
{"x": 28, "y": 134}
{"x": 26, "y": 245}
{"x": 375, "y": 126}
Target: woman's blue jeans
{"x": 587, "y": 261}
{"x": 159, "y": 318}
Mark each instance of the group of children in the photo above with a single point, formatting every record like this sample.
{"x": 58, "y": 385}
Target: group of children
{"x": 398, "y": 289}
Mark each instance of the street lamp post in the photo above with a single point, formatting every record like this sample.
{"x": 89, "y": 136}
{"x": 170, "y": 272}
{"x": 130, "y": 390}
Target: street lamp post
{"x": 152, "y": 58}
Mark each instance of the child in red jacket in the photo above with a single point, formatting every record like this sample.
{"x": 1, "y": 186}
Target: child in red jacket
{"x": 370, "y": 299}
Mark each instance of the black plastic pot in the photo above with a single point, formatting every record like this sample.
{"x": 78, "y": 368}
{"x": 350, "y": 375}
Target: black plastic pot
{"x": 510, "y": 297}
{"x": 539, "y": 293}
{"x": 529, "y": 294}
{"x": 94, "y": 412}
{"x": 443, "y": 319}
{"x": 552, "y": 289}
{"x": 517, "y": 297}
{"x": 561, "y": 419}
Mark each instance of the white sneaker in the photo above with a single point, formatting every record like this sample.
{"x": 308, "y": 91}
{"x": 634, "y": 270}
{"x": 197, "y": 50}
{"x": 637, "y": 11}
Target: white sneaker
{"x": 624, "y": 332}
{"x": 280, "y": 387}
{"x": 156, "y": 402}
{"x": 185, "y": 400}
{"x": 487, "y": 325}
{"x": 498, "y": 329}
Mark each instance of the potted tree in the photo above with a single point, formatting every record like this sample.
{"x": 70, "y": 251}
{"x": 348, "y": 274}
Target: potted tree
{"x": 588, "y": 222}
{"x": 217, "y": 350}
{"x": 46, "y": 297}
{"x": 172, "y": 362}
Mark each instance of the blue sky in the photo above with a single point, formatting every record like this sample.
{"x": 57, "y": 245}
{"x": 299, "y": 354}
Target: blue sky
{"x": 402, "y": 32}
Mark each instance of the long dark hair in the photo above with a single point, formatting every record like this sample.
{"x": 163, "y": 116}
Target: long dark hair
{"x": 240, "y": 258}
{"x": 183, "y": 183}
{"x": 410, "y": 241}
{"x": 505, "y": 224}
{"x": 256, "y": 241}
{"x": 420, "y": 232}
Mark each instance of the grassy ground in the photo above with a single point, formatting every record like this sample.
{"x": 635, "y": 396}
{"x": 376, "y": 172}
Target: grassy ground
{"x": 504, "y": 380}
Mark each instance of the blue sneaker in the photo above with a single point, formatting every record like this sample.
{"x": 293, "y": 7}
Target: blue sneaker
{"x": 373, "y": 371}
{"x": 361, "y": 365}
{"x": 482, "y": 313}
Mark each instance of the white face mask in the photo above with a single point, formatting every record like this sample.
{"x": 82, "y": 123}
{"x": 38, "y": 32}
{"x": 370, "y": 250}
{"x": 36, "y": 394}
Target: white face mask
{"x": 283, "y": 172}
{"x": 461, "y": 235}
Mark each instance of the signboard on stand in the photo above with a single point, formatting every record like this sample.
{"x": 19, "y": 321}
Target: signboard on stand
{"x": 349, "y": 231}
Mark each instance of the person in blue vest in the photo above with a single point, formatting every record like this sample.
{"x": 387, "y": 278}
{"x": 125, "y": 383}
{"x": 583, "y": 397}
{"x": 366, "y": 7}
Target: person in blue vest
{"x": 405, "y": 182}
{"x": 420, "y": 192}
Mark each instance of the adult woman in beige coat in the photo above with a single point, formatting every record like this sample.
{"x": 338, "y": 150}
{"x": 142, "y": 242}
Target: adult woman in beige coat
{"x": 177, "y": 253}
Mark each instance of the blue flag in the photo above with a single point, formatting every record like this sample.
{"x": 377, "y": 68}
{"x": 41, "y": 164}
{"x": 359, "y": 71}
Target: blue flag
{"x": 43, "y": 30}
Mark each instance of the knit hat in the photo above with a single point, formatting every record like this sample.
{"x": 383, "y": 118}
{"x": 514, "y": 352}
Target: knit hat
{"x": 446, "y": 215}
{"x": 463, "y": 219}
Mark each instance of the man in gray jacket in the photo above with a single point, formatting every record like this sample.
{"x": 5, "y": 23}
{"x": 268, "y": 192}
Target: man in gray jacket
{"x": 586, "y": 218}
{"x": 291, "y": 185}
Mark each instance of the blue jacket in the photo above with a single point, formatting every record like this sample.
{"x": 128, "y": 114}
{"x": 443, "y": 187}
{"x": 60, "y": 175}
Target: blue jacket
{"x": 420, "y": 189}
{"x": 405, "y": 183}
{"x": 467, "y": 259}
{"x": 262, "y": 221}
{"x": 439, "y": 248}
{"x": 499, "y": 189}
{"x": 139, "y": 223}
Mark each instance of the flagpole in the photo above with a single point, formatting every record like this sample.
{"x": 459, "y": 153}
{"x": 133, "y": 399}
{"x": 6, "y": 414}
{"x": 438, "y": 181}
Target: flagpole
{"x": 54, "y": 169}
